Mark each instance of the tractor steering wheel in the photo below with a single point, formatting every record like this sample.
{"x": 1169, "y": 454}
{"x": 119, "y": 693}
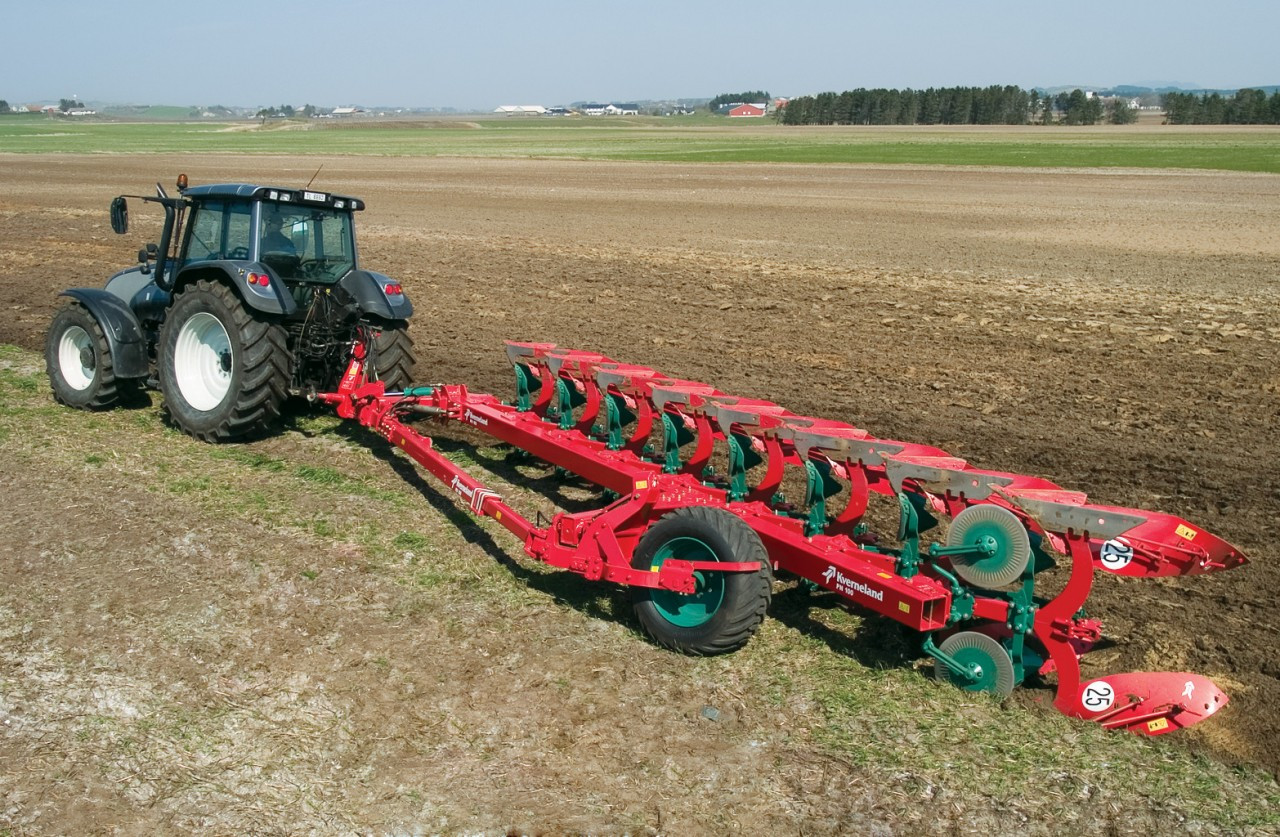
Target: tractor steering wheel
{"x": 239, "y": 253}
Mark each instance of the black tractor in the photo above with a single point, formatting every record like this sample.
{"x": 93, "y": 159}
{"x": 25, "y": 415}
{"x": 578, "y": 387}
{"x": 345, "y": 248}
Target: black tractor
{"x": 253, "y": 294}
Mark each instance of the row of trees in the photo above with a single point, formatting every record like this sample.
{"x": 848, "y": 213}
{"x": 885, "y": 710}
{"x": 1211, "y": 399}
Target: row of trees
{"x": 1246, "y": 107}
{"x": 287, "y": 111}
{"x": 752, "y": 96}
{"x": 935, "y": 106}
{"x": 995, "y": 105}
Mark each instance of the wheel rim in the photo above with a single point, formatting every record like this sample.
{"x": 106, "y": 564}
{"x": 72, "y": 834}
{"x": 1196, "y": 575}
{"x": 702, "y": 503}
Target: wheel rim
{"x": 698, "y": 608}
{"x": 202, "y": 361}
{"x": 74, "y": 349}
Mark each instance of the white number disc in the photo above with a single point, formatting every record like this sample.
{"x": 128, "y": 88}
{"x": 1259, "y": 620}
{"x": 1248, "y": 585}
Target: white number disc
{"x": 1116, "y": 554}
{"x": 1098, "y": 696}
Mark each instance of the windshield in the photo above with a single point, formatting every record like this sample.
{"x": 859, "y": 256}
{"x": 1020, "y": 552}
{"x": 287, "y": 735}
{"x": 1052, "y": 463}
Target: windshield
{"x": 306, "y": 243}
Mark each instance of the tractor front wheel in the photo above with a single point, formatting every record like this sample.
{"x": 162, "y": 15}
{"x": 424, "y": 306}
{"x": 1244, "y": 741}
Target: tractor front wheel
{"x": 224, "y": 370}
{"x": 78, "y": 360}
{"x": 727, "y": 608}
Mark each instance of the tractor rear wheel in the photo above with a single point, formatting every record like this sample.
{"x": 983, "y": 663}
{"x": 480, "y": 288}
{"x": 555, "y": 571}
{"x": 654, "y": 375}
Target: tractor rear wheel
{"x": 224, "y": 370}
{"x": 393, "y": 356}
{"x": 78, "y": 360}
{"x": 727, "y": 608}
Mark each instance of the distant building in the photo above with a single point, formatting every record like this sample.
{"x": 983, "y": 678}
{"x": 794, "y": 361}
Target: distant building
{"x": 748, "y": 110}
{"x": 520, "y": 110}
{"x": 612, "y": 109}
{"x": 346, "y": 111}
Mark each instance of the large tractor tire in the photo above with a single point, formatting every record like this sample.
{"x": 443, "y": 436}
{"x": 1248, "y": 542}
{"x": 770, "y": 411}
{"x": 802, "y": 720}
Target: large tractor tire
{"x": 224, "y": 370}
{"x": 78, "y": 360}
{"x": 727, "y": 608}
{"x": 393, "y": 357}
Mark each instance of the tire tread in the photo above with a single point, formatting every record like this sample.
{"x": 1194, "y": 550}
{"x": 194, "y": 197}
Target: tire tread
{"x": 264, "y": 376}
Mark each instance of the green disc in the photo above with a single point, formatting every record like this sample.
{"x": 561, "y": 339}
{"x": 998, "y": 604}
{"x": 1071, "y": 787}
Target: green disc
{"x": 1003, "y": 547}
{"x": 984, "y": 657}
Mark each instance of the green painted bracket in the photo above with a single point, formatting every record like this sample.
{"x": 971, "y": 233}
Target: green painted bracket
{"x": 674, "y": 436}
{"x": 961, "y": 598}
{"x": 567, "y": 398}
{"x": 527, "y": 384}
{"x": 908, "y": 565}
{"x": 617, "y": 418}
{"x": 965, "y": 672}
{"x": 742, "y": 458}
{"x": 819, "y": 485}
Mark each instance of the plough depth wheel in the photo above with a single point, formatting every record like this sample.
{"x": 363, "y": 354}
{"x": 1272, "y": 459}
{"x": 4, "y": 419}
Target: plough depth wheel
{"x": 727, "y": 608}
{"x": 987, "y": 667}
{"x": 1001, "y": 547}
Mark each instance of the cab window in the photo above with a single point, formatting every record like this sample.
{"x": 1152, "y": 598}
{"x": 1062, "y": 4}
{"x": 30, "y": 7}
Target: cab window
{"x": 306, "y": 243}
{"x": 218, "y": 230}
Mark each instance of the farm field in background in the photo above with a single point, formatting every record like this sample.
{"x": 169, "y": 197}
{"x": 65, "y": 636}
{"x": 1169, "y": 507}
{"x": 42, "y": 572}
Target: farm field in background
{"x": 299, "y": 630}
{"x": 699, "y": 139}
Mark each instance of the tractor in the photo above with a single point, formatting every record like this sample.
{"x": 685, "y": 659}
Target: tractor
{"x": 252, "y": 295}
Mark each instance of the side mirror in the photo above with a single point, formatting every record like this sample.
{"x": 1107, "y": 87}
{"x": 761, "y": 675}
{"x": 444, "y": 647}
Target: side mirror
{"x": 120, "y": 215}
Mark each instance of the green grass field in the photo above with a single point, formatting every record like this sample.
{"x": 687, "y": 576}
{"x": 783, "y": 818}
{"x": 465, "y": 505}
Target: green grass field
{"x": 701, "y": 140}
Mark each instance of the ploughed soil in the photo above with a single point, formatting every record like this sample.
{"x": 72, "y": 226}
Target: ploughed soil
{"x": 1115, "y": 331}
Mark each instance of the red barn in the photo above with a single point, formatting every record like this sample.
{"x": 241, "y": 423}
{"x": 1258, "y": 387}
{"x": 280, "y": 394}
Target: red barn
{"x": 747, "y": 110}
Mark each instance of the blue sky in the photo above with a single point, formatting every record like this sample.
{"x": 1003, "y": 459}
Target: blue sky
{"x": 482, "y": 54}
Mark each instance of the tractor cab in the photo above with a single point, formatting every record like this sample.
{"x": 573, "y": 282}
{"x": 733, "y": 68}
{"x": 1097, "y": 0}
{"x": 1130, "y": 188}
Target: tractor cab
{"x": 299, "y": 235}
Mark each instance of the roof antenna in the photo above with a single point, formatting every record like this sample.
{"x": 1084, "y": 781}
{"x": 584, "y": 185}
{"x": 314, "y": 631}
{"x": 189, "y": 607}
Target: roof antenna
{"x": 313, "y": 177}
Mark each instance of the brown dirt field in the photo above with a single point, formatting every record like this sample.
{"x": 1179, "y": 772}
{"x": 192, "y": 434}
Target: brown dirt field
{"x": 1115, "y": 331}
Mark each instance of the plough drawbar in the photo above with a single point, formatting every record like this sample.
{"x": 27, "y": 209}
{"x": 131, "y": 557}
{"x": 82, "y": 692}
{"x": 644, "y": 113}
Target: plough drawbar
{"x": 697, "y": 524}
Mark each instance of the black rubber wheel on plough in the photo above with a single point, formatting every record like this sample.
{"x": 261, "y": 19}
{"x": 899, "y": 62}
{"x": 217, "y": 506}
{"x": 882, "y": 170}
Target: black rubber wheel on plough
{"x": 78, "y": 360}
{"x": 224, "y": 370}
{"x": 393, "y": 356}
{"x": 727, "y": 608}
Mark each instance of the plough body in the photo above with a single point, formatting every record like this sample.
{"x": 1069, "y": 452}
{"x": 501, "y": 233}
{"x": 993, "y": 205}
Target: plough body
{"x": 699, "y": 545}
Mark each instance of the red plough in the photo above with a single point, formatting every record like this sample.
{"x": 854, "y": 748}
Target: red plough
{"x": 699, "y": 544}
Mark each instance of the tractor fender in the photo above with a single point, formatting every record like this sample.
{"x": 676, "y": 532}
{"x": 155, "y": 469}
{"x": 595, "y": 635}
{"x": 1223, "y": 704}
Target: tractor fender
{"x": 136, "y": 287}
{"x": 123, "y": 332}
{"x": 273, "y": 298}
{"x": 369, "y": 290}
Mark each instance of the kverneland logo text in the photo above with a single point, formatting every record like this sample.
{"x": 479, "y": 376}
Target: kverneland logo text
{"x": 849, "y": 586}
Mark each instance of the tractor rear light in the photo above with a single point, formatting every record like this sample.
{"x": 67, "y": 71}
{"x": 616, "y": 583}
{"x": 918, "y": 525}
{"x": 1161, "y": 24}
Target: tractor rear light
{"x": 259, "y": 279}
{"x": 394, "y": 289}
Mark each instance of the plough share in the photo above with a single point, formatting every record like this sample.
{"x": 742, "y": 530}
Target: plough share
{"x": 699, "y": 545}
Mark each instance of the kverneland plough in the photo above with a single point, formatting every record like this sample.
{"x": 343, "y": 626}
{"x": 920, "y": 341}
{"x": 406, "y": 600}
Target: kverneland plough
{"x": 699, "y": 545}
